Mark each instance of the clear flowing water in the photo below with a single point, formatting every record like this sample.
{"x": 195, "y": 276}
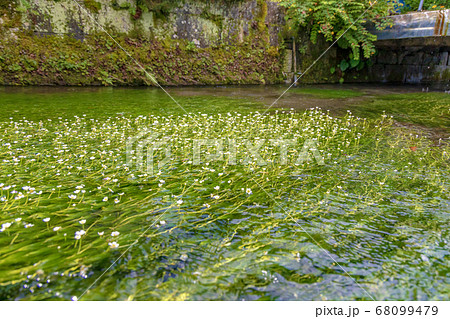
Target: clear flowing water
{"x": 370, "y": 223}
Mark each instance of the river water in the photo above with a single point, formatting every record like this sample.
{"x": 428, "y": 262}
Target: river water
{"x": 370, "y": 224}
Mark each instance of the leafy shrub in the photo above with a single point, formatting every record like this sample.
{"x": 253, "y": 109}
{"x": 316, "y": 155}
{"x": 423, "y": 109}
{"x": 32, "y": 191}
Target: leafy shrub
{"x": 413, "y": 5}
{"x": 341, "y": 20}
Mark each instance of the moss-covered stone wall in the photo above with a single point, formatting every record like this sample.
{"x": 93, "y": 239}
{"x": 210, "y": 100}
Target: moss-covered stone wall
{"x": 203, "y": 22}
{"x": 179, "y": 42}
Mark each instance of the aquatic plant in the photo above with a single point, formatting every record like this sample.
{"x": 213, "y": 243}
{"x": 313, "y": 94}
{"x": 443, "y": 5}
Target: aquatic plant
{"x": 71, "y": 205}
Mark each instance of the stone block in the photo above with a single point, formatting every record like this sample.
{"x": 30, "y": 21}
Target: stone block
{"x": 387, "y": 57}
{"x": 413, "y": 74}
{"x": 376, "y": 73}
{"x": 395, "y": 73}
{"x": 431, "y": 58}
{"x": 443, "y": 58}
{"x": 414, "y": 58}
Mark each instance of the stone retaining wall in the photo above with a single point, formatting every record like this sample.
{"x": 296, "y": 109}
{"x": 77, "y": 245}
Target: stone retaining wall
{"x": 411, "y": 61}
{"x": 205, "y": 23}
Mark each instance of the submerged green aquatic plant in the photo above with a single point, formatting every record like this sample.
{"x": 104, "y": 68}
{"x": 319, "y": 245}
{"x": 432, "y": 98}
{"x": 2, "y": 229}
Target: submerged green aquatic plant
{"x": 71, "y": 206}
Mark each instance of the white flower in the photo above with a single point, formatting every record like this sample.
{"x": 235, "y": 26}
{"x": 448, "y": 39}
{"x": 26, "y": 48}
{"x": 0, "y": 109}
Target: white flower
{"x": 117, "y": 201}
{"x": 162, "y": 222}
{"x": 113, "y": 245}
{"x": 115, "y": 233}
{"x": 56, "y": 228}
{"x": 207, "y": 205}
{"x": 18, "y": 219}
{"x": 46, "y": 220}
{"x": 74, "y": 298}
{"x": 184, "y": 257}
{"x": 29, "y": 225}
{"x": 180, "y": 201}
{"x": 79, "y": 233}
{"x": 105, "y": 199}
{"x": 72, "y": 196}
{"x": 6, "y": 225}
{"x": 100, "y": 233}
{"x": 217, "y": 188}
{"x": 82, "y": 222}
{"x": 249, "y": 191}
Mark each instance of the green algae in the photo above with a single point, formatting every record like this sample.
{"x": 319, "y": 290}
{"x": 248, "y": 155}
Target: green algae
{"x": 428, "y": 109}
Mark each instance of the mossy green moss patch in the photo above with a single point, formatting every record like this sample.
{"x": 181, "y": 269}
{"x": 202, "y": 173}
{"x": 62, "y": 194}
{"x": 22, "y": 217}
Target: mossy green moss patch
{"x": 97, "y": 60}
{"x": 93, "y": 5}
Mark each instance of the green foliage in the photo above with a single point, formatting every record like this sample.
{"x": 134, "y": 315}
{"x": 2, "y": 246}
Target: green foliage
{"x": 92, "y": 5}
{"x": 413, "y": 5}
{"x": 191, "y": 46}
{"x": 341, "y": 20}
{"x": 344, "y": 65}
{"x": 261, "y": 17}
{"x": 22, "y": 5}
{"x": 160, "y": 8}
{"x": 4, "y": 4}
{"x": 215, "y": 18}
{"x": 121, "y": 6}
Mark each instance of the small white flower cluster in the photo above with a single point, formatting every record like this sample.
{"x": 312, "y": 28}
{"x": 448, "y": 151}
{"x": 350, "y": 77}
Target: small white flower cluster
{"x": 79, "y": 233}
{"x": 5, "y": 226}
{"x": 113, "y": 245}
